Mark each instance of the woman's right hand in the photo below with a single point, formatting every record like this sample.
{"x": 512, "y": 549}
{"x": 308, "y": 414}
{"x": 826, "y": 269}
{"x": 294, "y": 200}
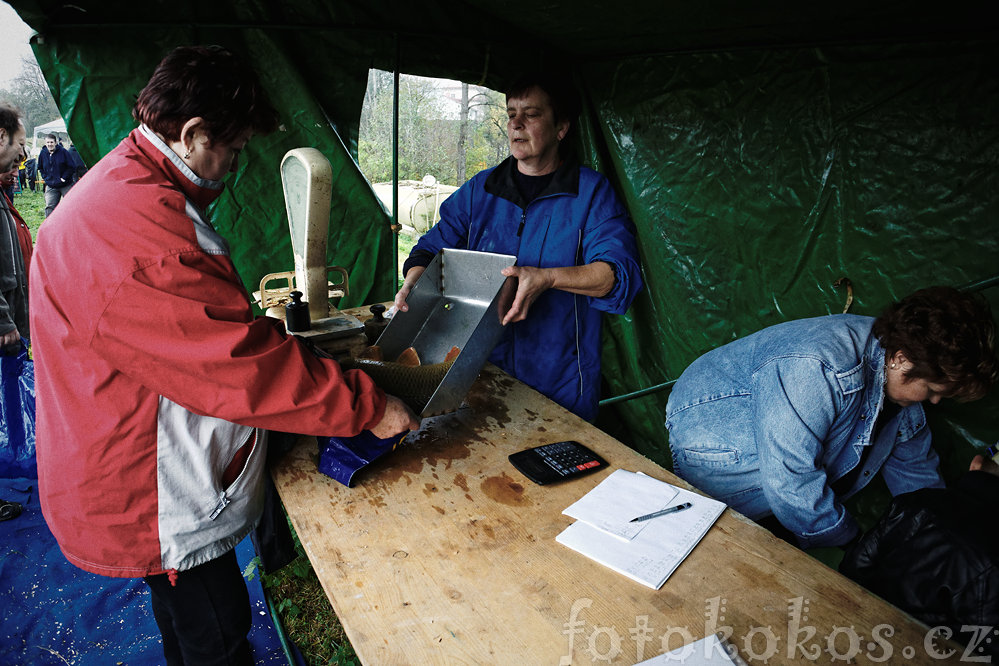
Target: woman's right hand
{"x": 398, "y": 418}
{"x": 407, "y": 286}
{"x": 9, "y": 338}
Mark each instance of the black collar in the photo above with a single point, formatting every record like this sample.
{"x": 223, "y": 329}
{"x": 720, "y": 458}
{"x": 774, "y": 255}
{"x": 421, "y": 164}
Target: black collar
{"x": 500, "y": 182}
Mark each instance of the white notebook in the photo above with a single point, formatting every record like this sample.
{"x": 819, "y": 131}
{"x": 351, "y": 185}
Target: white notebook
{"x": 653, "y": 550}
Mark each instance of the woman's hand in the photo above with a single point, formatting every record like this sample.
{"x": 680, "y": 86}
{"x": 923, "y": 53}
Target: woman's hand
{"x": 9, "y": 338}
{"x": 398, "y": 418}
{"x": 531, "y": 283}
{"x": 596, "y": 279}
{"x": 411, "y": 277}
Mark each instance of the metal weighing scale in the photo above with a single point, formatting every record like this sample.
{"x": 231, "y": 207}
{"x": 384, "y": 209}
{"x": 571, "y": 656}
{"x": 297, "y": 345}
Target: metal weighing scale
{"x": 307, "y": 180}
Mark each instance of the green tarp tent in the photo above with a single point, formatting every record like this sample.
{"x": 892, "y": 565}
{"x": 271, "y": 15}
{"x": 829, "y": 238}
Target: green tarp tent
{"x": 765, "y": 150}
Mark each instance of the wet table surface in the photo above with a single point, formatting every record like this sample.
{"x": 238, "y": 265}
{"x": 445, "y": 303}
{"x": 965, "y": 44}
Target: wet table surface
{"x": 443, "y": 553}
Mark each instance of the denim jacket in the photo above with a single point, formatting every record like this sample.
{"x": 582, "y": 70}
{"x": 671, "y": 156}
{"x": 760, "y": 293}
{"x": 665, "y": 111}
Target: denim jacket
{"x": 769, "y": 422}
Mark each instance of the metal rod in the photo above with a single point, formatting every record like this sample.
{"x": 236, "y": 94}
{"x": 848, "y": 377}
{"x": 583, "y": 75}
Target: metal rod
{"x": 637, "y": 394}
{"x": 981, "y": 284}
{"x": 395, "y": 163}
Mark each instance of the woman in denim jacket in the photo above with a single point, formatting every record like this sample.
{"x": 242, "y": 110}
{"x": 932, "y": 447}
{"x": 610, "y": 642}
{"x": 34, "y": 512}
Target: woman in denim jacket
{"x": 794, "y": 419}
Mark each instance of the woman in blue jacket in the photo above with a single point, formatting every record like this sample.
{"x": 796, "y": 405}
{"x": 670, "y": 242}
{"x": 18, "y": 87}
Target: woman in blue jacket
{"x": 574, "y": 243}
{"x": 794, "y": 419}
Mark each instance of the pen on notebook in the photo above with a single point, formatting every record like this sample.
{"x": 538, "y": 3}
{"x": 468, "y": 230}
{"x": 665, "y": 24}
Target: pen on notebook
{"x": 664, "y": 512}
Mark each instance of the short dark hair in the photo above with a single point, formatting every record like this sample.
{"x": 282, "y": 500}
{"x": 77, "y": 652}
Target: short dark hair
{"x": 209, "y": 82}
{"x": 51, "y": 136}
{"x": 10, "y": 119}
{"x": 558, "y": 86}
{"x": 561, "y": 94}
{"x": 948, "y": 336}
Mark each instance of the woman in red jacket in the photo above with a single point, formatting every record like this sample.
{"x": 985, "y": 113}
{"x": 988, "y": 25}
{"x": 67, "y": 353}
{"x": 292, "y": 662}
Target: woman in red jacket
{"x": 155, "y": 382}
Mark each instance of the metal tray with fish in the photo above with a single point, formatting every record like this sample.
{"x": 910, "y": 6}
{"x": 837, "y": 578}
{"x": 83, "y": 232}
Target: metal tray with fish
{"x": 454, "y": 321}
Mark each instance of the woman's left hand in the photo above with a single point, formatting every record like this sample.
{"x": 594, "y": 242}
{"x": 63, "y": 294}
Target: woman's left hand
{"x": 531, "y": 283}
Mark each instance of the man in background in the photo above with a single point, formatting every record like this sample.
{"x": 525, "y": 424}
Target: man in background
{"x": 79, "y": 166}
{"x": 23, "y": 231}
{"x": 13, "y": 276}
{"x": 56, "y": 167}
{"x": 30, "y": 171}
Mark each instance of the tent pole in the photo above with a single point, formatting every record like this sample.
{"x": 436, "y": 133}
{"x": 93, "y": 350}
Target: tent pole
{"x": 395, "y": 163}
{"x": 981, "y": 285}
{"x": 637, "y": 394}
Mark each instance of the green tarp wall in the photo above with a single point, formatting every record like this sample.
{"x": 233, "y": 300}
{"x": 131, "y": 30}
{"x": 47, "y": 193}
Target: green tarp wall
{"x": 764, "y": 150}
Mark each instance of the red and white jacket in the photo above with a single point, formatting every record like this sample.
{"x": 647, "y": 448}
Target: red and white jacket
{"x": 152, "y": 373}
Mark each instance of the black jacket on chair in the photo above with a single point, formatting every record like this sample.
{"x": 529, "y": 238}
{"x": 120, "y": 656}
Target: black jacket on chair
{"x": 935, "y": 554}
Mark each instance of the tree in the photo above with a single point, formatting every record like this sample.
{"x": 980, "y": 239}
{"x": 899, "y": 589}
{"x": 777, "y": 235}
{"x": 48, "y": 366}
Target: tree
{"x": 462, "y": 136}
{"x": 489, "y": 141}
{"x": 432, "y": 140}
{"x": 30, "y": 92}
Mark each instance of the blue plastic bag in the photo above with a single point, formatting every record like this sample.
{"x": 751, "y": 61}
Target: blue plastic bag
{"x": 17, "y": 415}
{"x": 340, "y": 458}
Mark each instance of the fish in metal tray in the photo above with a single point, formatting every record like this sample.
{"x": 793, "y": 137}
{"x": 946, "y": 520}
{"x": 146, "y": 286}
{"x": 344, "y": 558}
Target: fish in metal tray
{"x": 406, "y": 378}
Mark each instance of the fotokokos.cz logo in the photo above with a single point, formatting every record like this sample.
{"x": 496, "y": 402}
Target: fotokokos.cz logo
{"x": 800, "y": 641}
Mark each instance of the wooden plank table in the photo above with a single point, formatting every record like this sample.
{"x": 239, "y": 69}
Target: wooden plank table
{"x": 444, "y": 554}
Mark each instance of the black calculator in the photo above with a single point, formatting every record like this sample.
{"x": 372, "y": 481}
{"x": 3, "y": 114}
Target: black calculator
{"x": 556, "y": 462}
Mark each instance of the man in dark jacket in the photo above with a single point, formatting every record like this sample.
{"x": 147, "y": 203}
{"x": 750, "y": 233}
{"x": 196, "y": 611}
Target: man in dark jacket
{"x": 932, "y": 556}
{"x": 31, "y": 172}
{"x": 13, "y": 277}
{"x": 55, "y": 164}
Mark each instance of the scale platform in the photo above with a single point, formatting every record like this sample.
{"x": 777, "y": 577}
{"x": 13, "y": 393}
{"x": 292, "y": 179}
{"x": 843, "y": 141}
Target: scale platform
{"x": 340, "y": 326}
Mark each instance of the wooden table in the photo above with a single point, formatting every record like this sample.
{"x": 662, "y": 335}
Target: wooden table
{"x": 444, "y": 554}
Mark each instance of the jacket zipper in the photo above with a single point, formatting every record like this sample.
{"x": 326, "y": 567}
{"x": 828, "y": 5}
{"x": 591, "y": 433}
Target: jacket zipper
{"x": 523, "y": 211}
{"x": 221, "y": 504}
{"x": 223, "y": 500}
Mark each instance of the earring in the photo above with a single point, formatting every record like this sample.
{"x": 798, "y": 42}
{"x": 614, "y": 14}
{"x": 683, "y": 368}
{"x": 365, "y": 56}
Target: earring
{"x": 892, "y": 366}
{"x": 187, "y": 155}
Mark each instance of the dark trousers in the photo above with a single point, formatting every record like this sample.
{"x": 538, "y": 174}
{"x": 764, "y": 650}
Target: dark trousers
{"x": 205, "y": 618}
{"x": 53, "y": 195}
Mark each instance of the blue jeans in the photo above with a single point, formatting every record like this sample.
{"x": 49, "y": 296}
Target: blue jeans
{"x": 713, "y": 449}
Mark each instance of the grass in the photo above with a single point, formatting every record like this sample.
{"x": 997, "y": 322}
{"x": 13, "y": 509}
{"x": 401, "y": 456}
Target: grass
{"x": 31, "y": 206}
{"x": 305, "y": 613}
{"x": 407, "y": 239}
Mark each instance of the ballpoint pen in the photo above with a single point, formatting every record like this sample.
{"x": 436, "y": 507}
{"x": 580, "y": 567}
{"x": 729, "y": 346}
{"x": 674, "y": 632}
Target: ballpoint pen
{"x": 656, "y": 514}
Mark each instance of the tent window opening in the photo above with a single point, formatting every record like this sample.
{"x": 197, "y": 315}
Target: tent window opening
{"x": 447, "y": 132}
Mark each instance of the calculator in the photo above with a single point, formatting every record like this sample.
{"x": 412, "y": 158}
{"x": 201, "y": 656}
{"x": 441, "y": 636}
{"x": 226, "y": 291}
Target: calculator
{"x": 556, "y": 462}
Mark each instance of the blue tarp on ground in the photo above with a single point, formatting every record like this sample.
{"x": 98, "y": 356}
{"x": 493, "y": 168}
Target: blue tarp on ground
{"x": 54, "y": 613}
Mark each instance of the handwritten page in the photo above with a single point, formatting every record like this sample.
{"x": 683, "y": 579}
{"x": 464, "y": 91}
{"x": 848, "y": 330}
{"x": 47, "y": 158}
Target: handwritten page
{"x": 658, "y": 549}
{"x": 623, "y": 495}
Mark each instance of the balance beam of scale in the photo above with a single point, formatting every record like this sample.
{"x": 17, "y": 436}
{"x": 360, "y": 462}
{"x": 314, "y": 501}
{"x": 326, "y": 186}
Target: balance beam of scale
{"x": 307, "y": 180}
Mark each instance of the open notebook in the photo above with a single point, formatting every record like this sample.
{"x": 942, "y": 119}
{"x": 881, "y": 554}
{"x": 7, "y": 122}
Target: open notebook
{"x": 649, "y": 551}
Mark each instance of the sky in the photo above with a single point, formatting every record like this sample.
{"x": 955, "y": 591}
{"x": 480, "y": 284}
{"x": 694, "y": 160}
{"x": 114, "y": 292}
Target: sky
{"x": 14, "y": 35}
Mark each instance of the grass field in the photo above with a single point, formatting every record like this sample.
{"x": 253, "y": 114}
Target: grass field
{"x": 31, "y": 206}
